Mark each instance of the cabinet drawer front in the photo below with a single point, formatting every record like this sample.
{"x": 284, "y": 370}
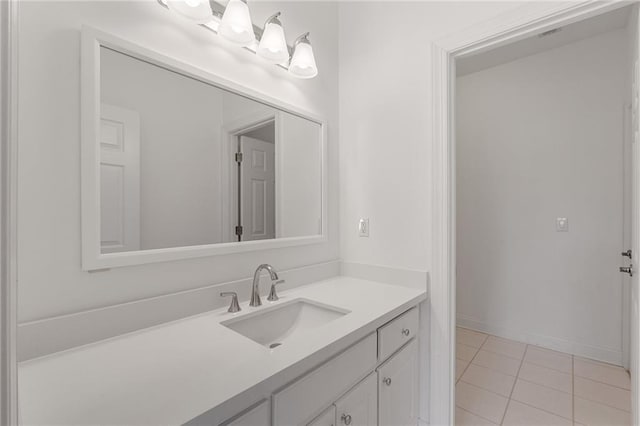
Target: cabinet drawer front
{"x": 295, "y": 404}
{"x": 396, "y": 333}
{"x": 398, "y": 388}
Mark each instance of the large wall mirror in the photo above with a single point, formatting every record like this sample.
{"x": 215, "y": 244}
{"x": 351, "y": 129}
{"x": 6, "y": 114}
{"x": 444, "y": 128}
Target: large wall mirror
{"x": 178, "y": 163}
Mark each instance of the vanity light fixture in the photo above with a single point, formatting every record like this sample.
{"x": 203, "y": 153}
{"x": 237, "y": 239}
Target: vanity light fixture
{"x": 233, "y": 22}
{"x": 273, "y": 45}
{"x": 198, "y": 11}
{"x": 303, "y": 63}
{"x": 236, "y": 23}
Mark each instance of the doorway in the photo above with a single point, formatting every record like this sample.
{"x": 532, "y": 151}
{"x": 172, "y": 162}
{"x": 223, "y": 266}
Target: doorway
{"x": 540, "y": 200}
{"x": 447, "y": 274}
{"x": 254, "y": 192}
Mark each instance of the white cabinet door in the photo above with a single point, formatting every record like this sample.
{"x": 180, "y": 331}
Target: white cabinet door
{"x": 359, "y": 406}
{"x": 259, "y": 416}
{"x": 398, "y": 384}
{"x": 327, "y": 418}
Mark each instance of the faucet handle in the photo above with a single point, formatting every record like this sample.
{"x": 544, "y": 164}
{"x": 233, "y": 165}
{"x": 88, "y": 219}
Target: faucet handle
{"x": 235, "y": 306}
{"x": 273, "y": 296}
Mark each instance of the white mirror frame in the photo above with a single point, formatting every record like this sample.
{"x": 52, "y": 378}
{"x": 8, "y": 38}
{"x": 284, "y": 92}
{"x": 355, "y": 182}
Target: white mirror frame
{"x": 92, "y": 258}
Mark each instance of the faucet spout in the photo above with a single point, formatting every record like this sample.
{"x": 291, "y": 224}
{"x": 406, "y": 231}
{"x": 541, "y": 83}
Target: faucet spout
{"x": 255, "y": 290}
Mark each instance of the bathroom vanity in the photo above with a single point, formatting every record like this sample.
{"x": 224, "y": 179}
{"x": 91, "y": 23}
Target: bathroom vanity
{"x": 355, "y": 365}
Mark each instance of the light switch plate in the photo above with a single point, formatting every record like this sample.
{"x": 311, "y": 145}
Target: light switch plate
{"x": 562, "y": 224}
{"x": 363, "y": 227}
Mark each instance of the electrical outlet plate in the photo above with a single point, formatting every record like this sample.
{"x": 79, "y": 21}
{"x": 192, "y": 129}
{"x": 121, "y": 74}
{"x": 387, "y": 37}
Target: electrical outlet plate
{"x": 363, "y": 227}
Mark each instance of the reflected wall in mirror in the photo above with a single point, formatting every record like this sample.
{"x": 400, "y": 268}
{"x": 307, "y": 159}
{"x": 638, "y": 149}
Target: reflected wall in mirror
{"x": 183, "y": 162}
{"x": 164, "y": 139}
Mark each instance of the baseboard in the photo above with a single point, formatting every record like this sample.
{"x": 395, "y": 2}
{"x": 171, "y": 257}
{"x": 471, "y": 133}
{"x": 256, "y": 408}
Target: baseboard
{"x": 43, "y": 337}
{"x": 598, "y": 353}
{"x": 386, "y": 274}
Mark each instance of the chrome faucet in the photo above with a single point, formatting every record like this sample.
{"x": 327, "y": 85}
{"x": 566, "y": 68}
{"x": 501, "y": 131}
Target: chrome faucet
{"x": 255, "y": 291}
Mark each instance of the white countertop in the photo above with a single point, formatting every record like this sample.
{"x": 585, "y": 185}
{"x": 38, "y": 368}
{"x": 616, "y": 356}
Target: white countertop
{"x": 171, "y": 373}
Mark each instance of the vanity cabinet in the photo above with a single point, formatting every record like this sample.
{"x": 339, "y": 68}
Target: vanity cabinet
{"x": 359, "y": 407}
{"x": 372, "y": 383}
{"x": 259, "y": 415}
{"x": 298, "y": 403}
{"x": 327, "y": 418}
{"x": 398, "y": 388}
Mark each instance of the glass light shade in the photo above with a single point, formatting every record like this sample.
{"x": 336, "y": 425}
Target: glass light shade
{"x": 273, "y": 45}
{"x": 198, "y": 11}
{"x": 303, "y": 63}
{"x": 236, "y": 23}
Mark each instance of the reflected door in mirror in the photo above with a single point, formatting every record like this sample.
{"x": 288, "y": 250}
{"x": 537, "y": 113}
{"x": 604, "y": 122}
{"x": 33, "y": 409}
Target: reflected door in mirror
{"x": 257, "y": 189}
{"x": 120, "y": 179}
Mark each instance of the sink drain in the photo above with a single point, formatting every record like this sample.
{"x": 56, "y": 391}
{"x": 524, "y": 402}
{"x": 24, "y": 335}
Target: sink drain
{"x": 274, "y": 345}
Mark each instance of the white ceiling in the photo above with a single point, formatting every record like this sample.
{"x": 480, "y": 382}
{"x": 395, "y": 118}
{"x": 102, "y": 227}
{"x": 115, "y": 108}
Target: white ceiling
{"x": 530, "y": 46}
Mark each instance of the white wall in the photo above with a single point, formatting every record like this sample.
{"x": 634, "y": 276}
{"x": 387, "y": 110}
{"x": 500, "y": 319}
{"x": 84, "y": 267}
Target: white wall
{"x": 385, "y": 132}
{"x": 180, "y": 149}
{"x": 540, "y": 138}
{"x": 238, "y": 108}
{"x": 50, "y": 280}
{"x": 300, "y": 181}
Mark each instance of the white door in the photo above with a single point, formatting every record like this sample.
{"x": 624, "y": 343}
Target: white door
{"x": 257, "y": 189}
{"x": 634, "y": 340}
{"x": 635, "y": 236}
{"x": 398, "y": 388}
{"x": 119, "y": 179}
{"x": 327, "y": 418}
{"x": 359, "y": 407}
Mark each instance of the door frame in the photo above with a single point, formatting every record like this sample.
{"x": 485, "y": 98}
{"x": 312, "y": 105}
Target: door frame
{"x": 520, "y": 23}
{"x": 8, "y": 211}
{"x": 229, "y": 180}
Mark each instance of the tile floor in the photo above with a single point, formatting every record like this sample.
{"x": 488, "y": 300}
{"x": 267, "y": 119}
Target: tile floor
{"x": 503, "y": 382}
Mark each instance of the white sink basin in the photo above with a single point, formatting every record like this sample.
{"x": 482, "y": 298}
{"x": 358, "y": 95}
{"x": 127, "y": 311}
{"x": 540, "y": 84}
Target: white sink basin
{"x": 276, "y": 325}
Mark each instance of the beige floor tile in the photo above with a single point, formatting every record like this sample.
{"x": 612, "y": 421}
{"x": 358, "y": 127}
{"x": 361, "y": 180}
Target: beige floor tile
{"x": 461, "y": 364}
{"x": 545, "y": 376}
{"x": 601, "y": 372}
{"x": 602, "y": 393}
{"x": 504, "y": 347}
{"x": 465, "y": 352}
{"x": 591, "y": 413}
{"x": 480, "y": 402}
{"x": 548, "y": 358}
{"x": 544, "y": 398}
{"x": 497, "y": 362}
{"x": 519, "y": 414}
{"x": 488, "y": 379}
{"x": 465, "y": 418}
{"x": 471, "y": 338}
{"x": 542, "y": 395}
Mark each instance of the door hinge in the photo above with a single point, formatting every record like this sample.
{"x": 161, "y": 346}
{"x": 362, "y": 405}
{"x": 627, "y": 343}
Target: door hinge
{"x": 239, "y": 230}
{"x": 238, "y": 157}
